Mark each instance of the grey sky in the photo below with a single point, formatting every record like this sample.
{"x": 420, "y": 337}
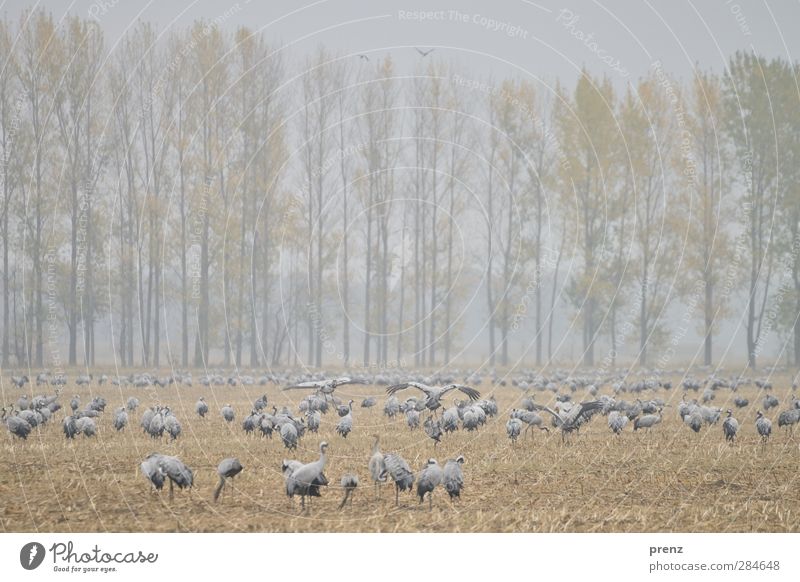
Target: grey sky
{"x": 544, "y": 39}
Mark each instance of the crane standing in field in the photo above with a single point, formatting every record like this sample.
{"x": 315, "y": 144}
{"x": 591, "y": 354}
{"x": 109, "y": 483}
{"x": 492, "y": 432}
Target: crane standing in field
{"x": 617, "y": 421}
{"x": 227, "y": 469}
{"x": 763, "y": 426}
{"x": 17, "y": 426}
{"x": 647, "y": 421}
{"x": 377, "y": 467}
{"x": 157, "y": 468}
{"x": 730, "y": 426}
{"x": 349, "y": 483}
{"x": 513, "y": 429}
{"x": 434, "y": 394}
{"x": 303, "y": 478}
{"x": 398, "y": 469}
{"x": 345, "y": 424}
{"x": 201, "y": 407}
{"x": 429, "y": 478}
{"x": 453, "y": 477}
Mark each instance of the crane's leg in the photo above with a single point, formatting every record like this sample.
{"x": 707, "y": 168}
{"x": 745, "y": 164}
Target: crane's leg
{"x": 430, "y": 501}
{"x": 396, "y": 494}
{"x": 171, "y": 490}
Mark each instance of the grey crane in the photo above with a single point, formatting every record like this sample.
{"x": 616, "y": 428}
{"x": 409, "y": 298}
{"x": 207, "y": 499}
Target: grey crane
{"x": 288, "y": 467}
{"x": 86, "y": 426}
{"x": 314, "y": 420}
{"x": 617, "y": 421}
{"x": 289, "y": 435}
{"x": 325, "y": 387}
{"x": 429, "y": 478}
{"x": 344, "y": 409}
{"x": 471, "y": 420}
{"x": 302, "y": 479}
{"x": 770, "y": 401}
{"x": 171, "y": 424}
{"x": 694, "y": 420}
{"x": 30, "y": 416}
{"x": 513, "y": 429}
{"x": 433, "y": 428}
{"x": 453, "y": 477}
{"x": 19, "y": 381}
{"x": 98, "y": 403}
{"x": 156, "y": 426}
{"x": 157, "y": 468}
{"x": 397, "y": 468}
{"x": 376, "y": 465}
{"x": 572, "y": 420}
{"x": 201, "y": 407}
{"x": 530, "y": 419}
{"x": 789, "y": 418}
{"x": 434, "y": 394}
{"x": 647, "y": 421}
{"x": 349, "y": 483}
{"x": 412, "y": 418}
{"x": 267, "y": 425}
{"x": 345, "y": 424}
{"x": 70, "y": 427}
{"x": 75, "y": 403}
{"x": 251, "y": 422}
{"x": 147, "y": 416}
{"x": 132, "y": 404}
{"x": 18, "y": 427}
{"x": 391, "y": 407}
{"x": 260, "y": 403}
{"x": 227, "y": 469}
{"x": 120, "y": 419}
{"x": 227, "y": 413}
{"x": 369, "y": 402}
{"x": 450, "y": 419}
{"x": 730, "y": 427}
{"x": 763, "y": 426}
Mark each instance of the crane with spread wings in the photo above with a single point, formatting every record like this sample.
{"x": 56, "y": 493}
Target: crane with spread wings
{"x": 572, "y": 419}
{"x": 434, "y": 394}
{"x": 325, "y": 387}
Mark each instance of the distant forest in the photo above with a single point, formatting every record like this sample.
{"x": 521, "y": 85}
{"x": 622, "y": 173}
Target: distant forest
{"x": 204, "y": 197}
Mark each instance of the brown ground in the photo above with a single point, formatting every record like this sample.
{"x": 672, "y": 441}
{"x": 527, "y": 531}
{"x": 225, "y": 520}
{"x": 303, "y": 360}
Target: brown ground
{"x": 669, "y": 480}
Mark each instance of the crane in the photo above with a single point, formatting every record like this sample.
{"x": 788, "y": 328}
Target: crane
{"x": 227, "y": 469}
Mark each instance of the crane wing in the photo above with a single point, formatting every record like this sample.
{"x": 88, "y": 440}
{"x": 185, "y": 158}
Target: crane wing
{"x": 583, "y": 411}
{"x": 544, "y": 408}
{"x": 398, "y": 387}
{"x": 305, "y": 385}
{"x": 471, "y": 392}
{"x": 345, "y": 381}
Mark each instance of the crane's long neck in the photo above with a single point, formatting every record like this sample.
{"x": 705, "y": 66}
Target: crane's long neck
{"x": 375, "y": 446}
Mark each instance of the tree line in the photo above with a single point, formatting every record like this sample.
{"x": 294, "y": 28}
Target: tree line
{"x": 203, "y": 197}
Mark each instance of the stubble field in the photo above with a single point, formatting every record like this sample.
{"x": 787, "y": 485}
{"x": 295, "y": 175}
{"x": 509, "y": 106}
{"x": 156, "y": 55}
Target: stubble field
{"x": 670, "y": 479}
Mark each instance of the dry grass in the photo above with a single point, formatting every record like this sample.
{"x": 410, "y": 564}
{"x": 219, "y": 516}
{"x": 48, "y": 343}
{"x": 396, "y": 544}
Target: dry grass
{"x": 669, "y": 480}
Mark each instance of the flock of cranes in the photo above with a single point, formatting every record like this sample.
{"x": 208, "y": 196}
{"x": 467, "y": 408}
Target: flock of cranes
{"x": 428, "y": 407}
